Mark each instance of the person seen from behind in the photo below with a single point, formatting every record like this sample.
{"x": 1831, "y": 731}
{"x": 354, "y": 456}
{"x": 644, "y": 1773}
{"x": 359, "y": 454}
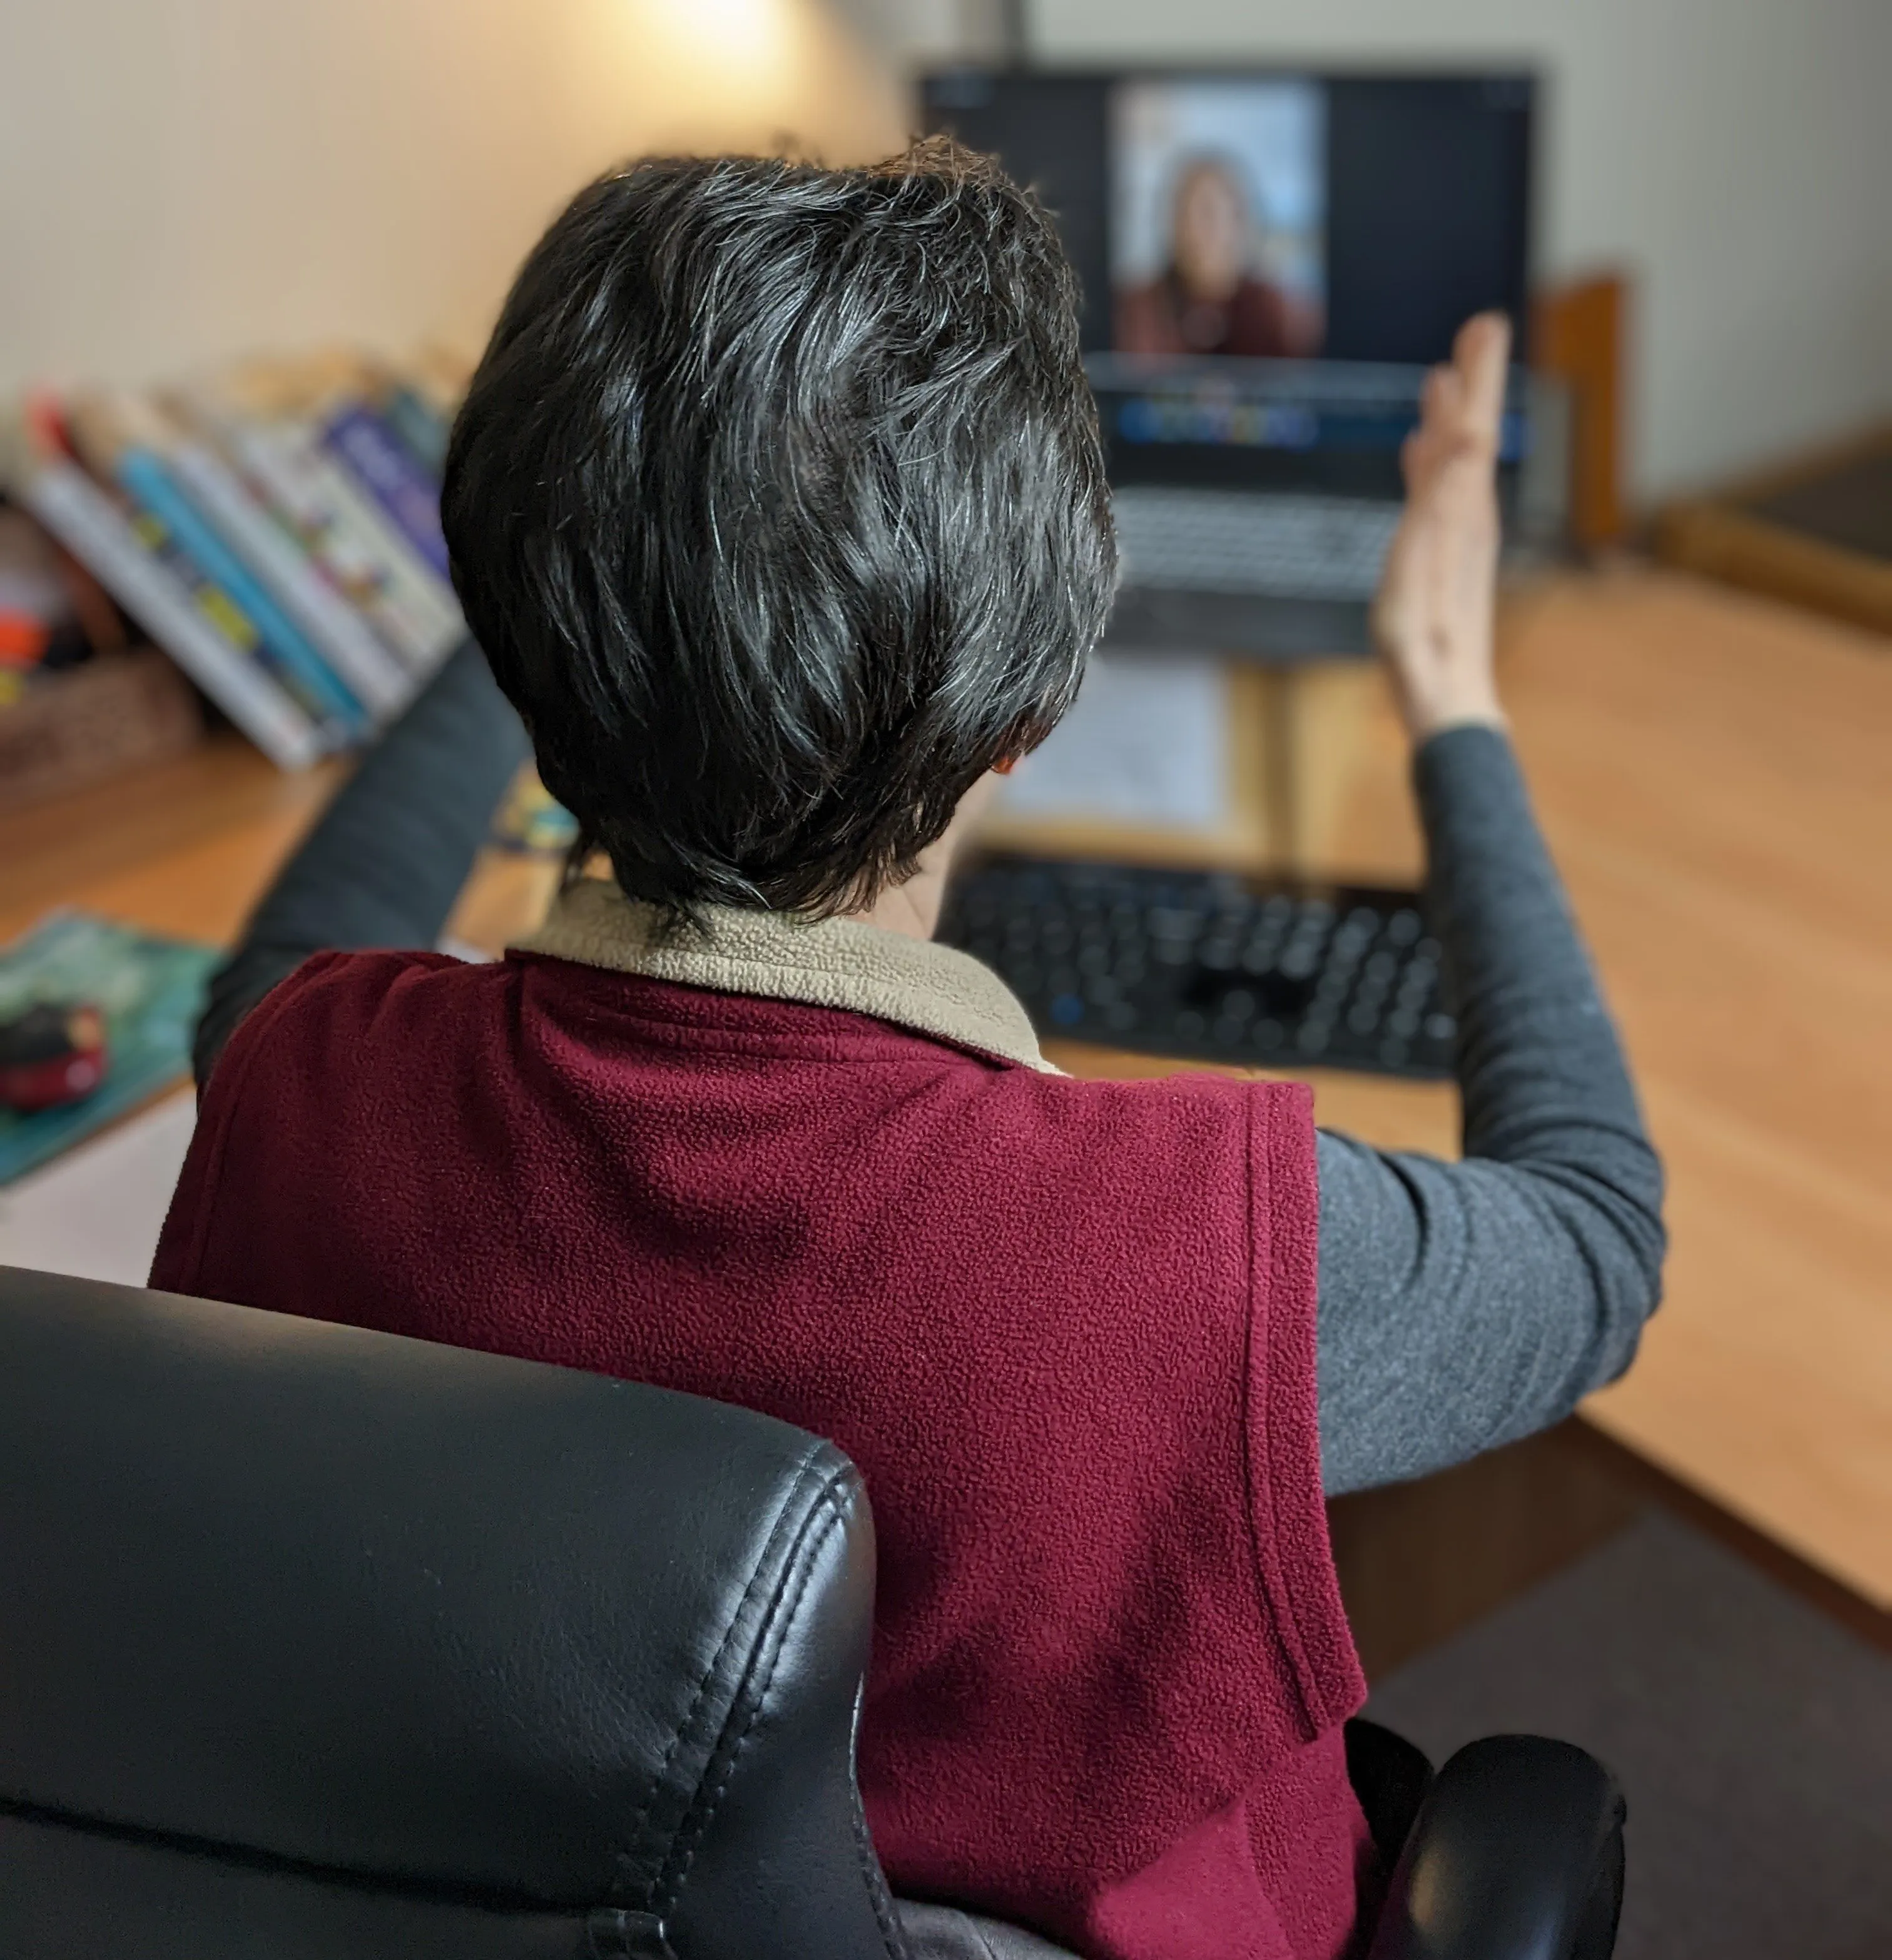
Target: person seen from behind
{"x": 778, "y": 511}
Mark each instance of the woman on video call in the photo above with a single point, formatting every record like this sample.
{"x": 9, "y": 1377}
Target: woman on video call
{"x": 1208, "y": 299}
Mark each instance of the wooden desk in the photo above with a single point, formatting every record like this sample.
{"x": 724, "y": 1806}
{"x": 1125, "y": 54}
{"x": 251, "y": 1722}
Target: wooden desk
{"x": 1715, "y": 775}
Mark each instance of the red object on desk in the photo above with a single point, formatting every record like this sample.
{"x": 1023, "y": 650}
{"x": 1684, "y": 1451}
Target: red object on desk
{"x": 51, "y": 1055}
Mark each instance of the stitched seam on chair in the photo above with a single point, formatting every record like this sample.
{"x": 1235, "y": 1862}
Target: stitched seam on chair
{"x": 256, "y": 1858}
{"x": 992, "y": 1952}
{"x": 879, "y": 1899}
{"x": 787, "y": 1607}
{"x": 803, "y": 1470}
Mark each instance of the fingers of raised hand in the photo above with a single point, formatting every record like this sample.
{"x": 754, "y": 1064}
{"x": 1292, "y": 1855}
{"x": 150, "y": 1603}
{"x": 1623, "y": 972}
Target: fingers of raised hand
{"x": 1481, "y": 359}
{"x": 1431, "y": 440}
{"x": 1461, "y": 408}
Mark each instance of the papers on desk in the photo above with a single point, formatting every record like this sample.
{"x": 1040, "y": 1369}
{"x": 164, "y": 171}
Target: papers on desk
{"x": 1147, "y": 744}
{"x": 96, "y": 1212}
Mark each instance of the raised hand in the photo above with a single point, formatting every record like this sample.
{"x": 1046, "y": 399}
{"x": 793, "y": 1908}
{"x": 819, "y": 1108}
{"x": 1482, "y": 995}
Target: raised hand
{"x": 1432, "y": 620}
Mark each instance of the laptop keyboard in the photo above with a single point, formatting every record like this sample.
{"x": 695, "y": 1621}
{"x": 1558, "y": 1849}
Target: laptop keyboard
{"x": 1247, "y": 972}
{"x": 1251, "y": 541}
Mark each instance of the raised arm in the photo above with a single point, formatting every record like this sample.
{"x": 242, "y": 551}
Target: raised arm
{"x": 386, "y": 860}
{"x": 1464, "y": 1305}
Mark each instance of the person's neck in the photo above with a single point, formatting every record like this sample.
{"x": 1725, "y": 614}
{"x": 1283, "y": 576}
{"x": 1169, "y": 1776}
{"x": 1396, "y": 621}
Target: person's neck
{"x": 912, "y": 907}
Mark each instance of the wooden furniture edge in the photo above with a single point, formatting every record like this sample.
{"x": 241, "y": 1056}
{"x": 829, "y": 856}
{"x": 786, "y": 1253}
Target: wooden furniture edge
{"x": 1787, "y": 1568}
{"x": 1714, "y": 538}
{"x": 1805, "y": 466}
{"x": 1579, "y": 337}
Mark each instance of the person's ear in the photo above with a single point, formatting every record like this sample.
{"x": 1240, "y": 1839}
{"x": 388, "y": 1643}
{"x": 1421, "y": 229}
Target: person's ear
{"x": 1006, "y": 767}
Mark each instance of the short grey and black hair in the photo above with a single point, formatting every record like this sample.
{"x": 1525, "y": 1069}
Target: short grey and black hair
{"x": 778, "y": 505}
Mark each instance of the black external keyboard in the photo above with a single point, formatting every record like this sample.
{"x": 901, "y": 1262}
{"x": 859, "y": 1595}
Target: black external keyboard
{"x": 1209, "y": 965}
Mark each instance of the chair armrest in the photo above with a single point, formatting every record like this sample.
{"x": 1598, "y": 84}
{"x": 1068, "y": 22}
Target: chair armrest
{"x": 1516, "y": 1854}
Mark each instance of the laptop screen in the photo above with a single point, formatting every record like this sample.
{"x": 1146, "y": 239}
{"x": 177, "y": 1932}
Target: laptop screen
{"x": 1269, "y": 261}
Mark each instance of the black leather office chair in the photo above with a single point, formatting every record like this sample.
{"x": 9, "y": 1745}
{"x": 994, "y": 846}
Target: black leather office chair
{"x": 316, "y": 1642}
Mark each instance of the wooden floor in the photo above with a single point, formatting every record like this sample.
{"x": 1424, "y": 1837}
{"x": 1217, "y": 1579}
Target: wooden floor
{"x": 1715, "y": 777}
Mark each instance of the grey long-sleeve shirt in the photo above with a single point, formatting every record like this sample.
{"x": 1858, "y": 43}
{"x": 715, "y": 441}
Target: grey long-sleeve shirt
{"x": 1461, "y": 1305}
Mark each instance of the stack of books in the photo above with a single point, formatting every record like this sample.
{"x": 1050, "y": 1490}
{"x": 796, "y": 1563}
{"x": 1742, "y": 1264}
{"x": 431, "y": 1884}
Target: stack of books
{"x": 274, "y": 528}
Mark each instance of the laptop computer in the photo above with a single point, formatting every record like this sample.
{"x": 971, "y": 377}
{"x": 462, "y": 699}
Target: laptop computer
{"x": 1270, "y": 262}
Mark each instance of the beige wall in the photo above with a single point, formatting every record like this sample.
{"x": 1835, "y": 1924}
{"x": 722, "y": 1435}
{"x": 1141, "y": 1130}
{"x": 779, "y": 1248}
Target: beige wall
{"x": 181, "y": 179}
{"x": 1736, "y": 153}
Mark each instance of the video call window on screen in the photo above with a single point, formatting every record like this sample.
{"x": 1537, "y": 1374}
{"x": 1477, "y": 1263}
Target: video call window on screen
{"x": 1218, "y": 218}
{"x": 1249, "y": 215}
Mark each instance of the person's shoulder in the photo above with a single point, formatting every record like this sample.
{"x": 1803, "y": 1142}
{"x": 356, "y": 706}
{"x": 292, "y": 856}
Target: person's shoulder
{"x": 1263, "y": 322}
{"x": 340, "y": 995}
{"x": 375, "y": 970}
{"x": 1165, "y": 1087}
{"x": 1144, "y": 1116}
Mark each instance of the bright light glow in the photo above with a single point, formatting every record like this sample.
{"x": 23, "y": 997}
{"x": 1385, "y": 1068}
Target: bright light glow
{"x": 744, "y": 21}
{"x": 733, "y": 74}
{"x": 752, "y": 38}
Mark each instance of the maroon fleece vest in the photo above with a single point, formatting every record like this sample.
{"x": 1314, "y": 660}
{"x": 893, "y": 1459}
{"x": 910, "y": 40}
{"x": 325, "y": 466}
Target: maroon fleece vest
{"x": 1066, "y": 1330}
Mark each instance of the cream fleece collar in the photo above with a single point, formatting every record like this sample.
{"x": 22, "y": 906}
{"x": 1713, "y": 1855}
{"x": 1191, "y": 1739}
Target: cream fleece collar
{"x": 825, "y": 962}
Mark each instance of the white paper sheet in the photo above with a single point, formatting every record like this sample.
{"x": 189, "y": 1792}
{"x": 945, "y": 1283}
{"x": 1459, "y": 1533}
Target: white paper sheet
{"x": 1146, "y": 744}
{"x": 97, "y": 1211}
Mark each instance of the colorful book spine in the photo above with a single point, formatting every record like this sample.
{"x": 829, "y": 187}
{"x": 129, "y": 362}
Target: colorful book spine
{"x": 364, "y": 443}
{"x": 339, "y": 633}
{"x": 230, "y": 619}
{"x": 145, "y": 478}
{"x": 422, "y": 428}
{"x": 415, "y": 615}
{"x": 200, "y": 628}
